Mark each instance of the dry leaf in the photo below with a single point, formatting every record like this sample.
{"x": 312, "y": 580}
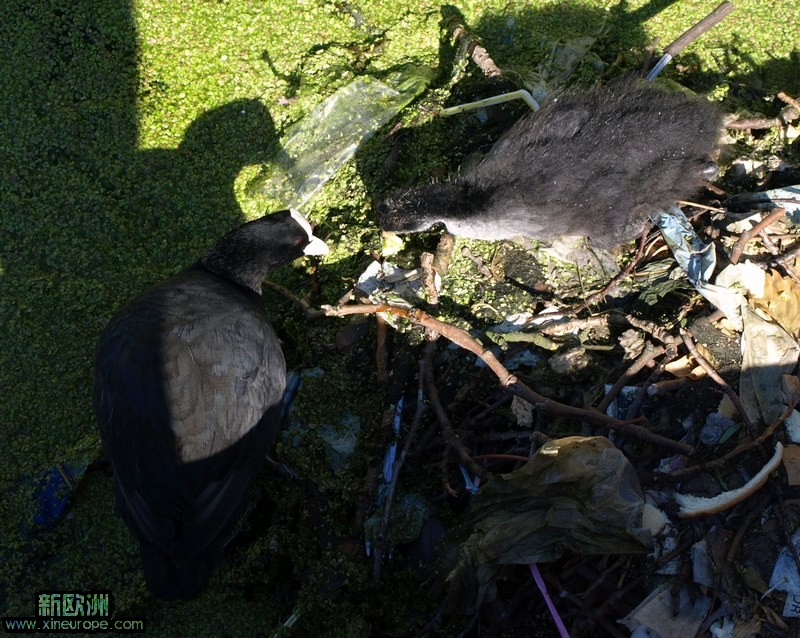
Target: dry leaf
{"x": 781, "y": 301}
{"x": 687, "y": 366}
{"x": 680, "y": 367}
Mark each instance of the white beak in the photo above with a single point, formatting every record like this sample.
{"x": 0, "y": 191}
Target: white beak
{"x": 315, "y": 245}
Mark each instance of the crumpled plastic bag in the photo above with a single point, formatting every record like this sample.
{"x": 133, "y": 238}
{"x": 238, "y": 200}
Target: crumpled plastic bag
{"x": 384, "y": 282}
{"x": 667, "y": 617}
{"x": 698, "y": 261}
{"x": 319, "y": 144}
{"x": 768, "y": 351}
{"x": 576, "y": 494}
{"x": 787, "y": 197}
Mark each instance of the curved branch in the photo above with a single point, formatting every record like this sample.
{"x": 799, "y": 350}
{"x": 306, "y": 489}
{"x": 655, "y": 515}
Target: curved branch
{"x": 509, "y": 381}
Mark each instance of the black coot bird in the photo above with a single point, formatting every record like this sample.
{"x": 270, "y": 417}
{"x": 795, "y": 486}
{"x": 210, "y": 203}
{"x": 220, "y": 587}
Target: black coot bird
{"x": 187, "y": 391}
{"x": 592, "y": 164}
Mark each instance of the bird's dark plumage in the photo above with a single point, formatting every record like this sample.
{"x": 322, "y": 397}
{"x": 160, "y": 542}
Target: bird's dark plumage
{"x": 591, "y": 164}
{"x": 188, "y": 384}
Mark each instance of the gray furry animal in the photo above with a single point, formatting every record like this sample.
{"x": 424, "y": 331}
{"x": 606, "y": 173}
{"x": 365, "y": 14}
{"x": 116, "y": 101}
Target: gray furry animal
{"x": 592, "y": 164}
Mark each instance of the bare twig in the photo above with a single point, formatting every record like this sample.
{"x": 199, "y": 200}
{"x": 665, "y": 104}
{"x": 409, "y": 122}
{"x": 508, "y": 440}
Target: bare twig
{"x": 772, "y": 249}
{"x": 688, "y": 341}
{"x": 500, "y": 457}
{"x": 445, "y": 478}
{"x": 434, "y": 268}
{"x": 508, "y": 380}
{"x": 619, "y": 278}
{"x": 597, "y": 620}
{"x": 668, "y": 386}
{"x": 747, "y": 124}
{"x": 786, "y": 116}
{"x": 755, "y": 512}
{"x": 308, "y": 310}
{"x": 670, "y": 354}
{"x": 475, "y": 50}
{"x": 650, "y": 352}
{"x": 705, "y": 25}
{"x": 478, "y": 418}
{"x": 781, "y": 263}
{"x": 774, "y": 215}
{"x": 716, "y": 209}
{"x": 381, "y": 354}
{"x": 444, "y": 251}
{"x": 538, "y": 339}
{"x": 447, "y": 429}
{"x": 620, "y": 592}
{"x": 453, "y": 333}
{"x": 346, "y": 297}
{"x": 431, "y": 290}
{"x": 787, "y": 257}
{"x": 738, "y": 450}
{"x": 493, "y": 437}
{"x": 429, "y": 281}
{"x": 792, "y": 275}
{"x": 790, "y": 101}
{"x": 478, "y": 261}
{"x": 650, "y": 51}
{"x": 561, "y": 325}
{"x": 653, "y": 329}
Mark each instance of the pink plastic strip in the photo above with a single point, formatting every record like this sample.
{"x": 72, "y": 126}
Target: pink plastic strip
{"x": 537, "y": 577}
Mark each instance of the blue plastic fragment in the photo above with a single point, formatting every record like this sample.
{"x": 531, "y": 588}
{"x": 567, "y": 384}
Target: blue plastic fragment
{"x": 293, "y": 382}
{"x": 663, "y": 62}
{"x": 53, "y": 492}
{"x": 390, "y": 457}
{"x": 472, "y": 486}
